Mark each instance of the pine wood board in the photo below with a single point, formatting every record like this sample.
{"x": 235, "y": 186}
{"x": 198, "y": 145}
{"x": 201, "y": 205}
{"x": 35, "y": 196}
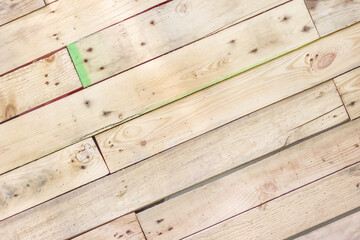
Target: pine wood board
{"x": 12, "y": 9}
{"x": 293, "y": 212}
{"x": 95, "y": 109}
{"x": 345, "y": 228}
{"x": 349, "y": 88}
{"x": 49, "y": 177}
{"x": 332, "y": 15}
{"x": 171, "y": 171}
{"x": 36, "y": 84}
{"x": 125, "y": 228}
{"x": 156, "y": 32}
{"x": 248, "y": 187}
{"x": 59, "y": 24}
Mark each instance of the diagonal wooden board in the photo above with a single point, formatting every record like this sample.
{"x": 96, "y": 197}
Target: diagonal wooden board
{"x": 59, "y": 24}
{"x": 36, "y": 84}
{"x": 49, "y": 177}
{"x": 12, "y": 9}
{"x": 171, "y": 171}
{"x": 332, "y": 15}
{"x": 293, "y": 212}
{"x": 156, "y": 32}
{"x": 140, "y": 90}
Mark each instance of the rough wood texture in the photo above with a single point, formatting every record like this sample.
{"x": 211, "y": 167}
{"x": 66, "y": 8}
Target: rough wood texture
{"x": 253, "y": 185}
{"x": 37, "y": 83}
{"x": 158, "y": 31}
{"x": 346, "y": 228}
{"x": 84, "y": 113}
{"x": 12, "y": 9}
{"x": 294, "y": 212}
{"x": 349, "y": 88}
{"x": 59, "y": 24}
{"x": 332, "y": 15}
{"x": 49, "y": 177}
{"x": 124, "y": 228}
{"x": 169, "y": 172}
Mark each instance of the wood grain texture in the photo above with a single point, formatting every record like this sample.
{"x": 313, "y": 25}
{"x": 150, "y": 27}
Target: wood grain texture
{"x": 49, "y": 177}
{"x": 58, "y": 24}
{"x": 50, "y": 1}
{"x": 171, "y": 171}
{"x": 37, "y": 83}
{"x": 125, "y": 228}
{"x": 94, "y": 109}
{"x": 346, "y": 228}
{"x": 294, "y": 212}
{"x": 332, "y": 15}
{"x": 349, "y": 88}
{"x": 159, "y": 31}
{"x": 12, "y": 9}
{"x": 253, "y": 185}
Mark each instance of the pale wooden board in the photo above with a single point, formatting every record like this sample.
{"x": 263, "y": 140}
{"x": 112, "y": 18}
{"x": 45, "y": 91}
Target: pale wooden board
{"x": 49, "y": 177}
{"x": 50, "y": 1}
{"x": 58, "y": 24}
{"x": 158, "y": 31}
{"x": 332, "y": 15}
{"x": 12, "y": 9}
{"x": 345, "y": 228}
{"x": 349, "y": 89}
{"x": 124, "y": 228}
{"x": 37, "y": 83}
{"x": 253, "y": 185}
{"x": 293, "y": 212}
{"x": 169, "y": 172}
{"x": 82, "y": 114}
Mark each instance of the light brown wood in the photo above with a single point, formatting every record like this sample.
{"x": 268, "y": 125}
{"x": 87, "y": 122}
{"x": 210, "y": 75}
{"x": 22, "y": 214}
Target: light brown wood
{"x": 159, "y": 31}
{"x": 12, "y": 9}
{"x": 332, "y": 15}
{"x": 37, "y": 83}
{"x": 169, "y": 172}
{"x": 294, "y": 212}
{"x": 253, "y": 185}
{"x": 94, "y": 109}
{"x": 346, "y": 228}
{"x": 58, "y": 24}
{"x": 49, "y": 177}
{"x": 349, "y": 88}
{"x": 50, "y": 1}
{"x": 126, "y": 228}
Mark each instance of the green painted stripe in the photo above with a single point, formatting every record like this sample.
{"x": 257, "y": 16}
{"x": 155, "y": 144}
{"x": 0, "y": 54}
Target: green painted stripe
{"x": 78, "y": 63}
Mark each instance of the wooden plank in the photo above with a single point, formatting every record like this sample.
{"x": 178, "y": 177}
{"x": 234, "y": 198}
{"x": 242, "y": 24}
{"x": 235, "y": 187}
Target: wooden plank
{"x": 294, "y": 212}
{"x": 37, "y": 83}
{"x": 332, "y": 15}
{"x": 125, "y": 227}
{"x": 253, "y": 185}
{"x": 106, "y": 104}
{"x": 349, "y": 88}
{"x": 59, "y": 24}
{"x": 49, "y": 177}
{"x": 157, "y": 32}
{"x": 149, "y": 181}
{"x": 49, "y": 1}
{"x": 12, "y": 9}
{"x": 345, "y": 228}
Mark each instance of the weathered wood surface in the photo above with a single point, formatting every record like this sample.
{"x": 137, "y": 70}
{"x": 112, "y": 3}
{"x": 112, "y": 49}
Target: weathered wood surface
{"x": 294, "y": 212}
{"x": 349, "y": 88}
{"x": 157, "y": 32}
{"x": 253, "y": 185}
{"x": 12, "y": 9}
{"x": 346, "y": 228}
{"x": 49, "y": 177}
{"x": 171, "y": 171}
{"x": 124, "y": 228}
{"x": 59, "y": 24}
{"x": 85, "y": 113}
{"x": 332, "y": 15}
{"x": 37, "y": 83}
